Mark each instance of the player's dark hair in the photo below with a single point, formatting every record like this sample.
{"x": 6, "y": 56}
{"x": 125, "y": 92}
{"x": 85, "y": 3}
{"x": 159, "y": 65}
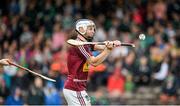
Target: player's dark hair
{"x": 73, "y": 34}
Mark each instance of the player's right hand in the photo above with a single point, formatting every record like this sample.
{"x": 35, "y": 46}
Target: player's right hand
{"x": 117, "y": 43}
{"x": 4, "y": 62}
{"x": 109, "y": 45}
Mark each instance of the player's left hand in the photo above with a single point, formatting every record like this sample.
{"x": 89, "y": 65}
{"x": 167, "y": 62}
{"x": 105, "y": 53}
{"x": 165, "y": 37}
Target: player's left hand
{"x": 4, "y": 62}
{"x": 109, "y": 45}
{"x": 116, "y": 43}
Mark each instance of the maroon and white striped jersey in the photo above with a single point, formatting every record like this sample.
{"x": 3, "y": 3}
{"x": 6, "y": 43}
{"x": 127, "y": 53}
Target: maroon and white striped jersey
{"x": 78, "y": 67}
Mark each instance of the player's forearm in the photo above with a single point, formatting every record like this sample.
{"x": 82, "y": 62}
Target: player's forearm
{"x": 99, "y": 47}
{"x": 100, "y": 58}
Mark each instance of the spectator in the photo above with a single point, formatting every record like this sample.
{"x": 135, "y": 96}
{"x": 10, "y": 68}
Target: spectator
{"x": 36, "y": 94}
{"x": 163, "y": 72}
{"x": 129, "y": 84}
{"x": 116, "y": 82}
{"x": 52, "y": 96}
{"x": 27, "y": 35}
{"x": 160, "y": 10}
{"x": 21, "y": 79}
{"x": 58, "y": 37}
{"x": 169, "y": 89}
{"x": 15, "y": 98}
{"x": 128, "y": 65}
{"x": 143, "y": 72}
{"x": 4, "y": 91}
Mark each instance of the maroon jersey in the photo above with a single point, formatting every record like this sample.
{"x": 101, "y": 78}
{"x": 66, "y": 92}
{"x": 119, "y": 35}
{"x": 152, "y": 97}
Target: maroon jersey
{"x": 78, "y": 67}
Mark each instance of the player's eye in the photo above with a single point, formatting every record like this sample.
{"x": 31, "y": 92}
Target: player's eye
{"x": 92, "y": 29}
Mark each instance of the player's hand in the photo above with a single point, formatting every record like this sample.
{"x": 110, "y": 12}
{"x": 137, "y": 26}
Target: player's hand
{"x": 4, "y": 62}
{"x": 109, "y": 45}
{"x": 116, "y": 43}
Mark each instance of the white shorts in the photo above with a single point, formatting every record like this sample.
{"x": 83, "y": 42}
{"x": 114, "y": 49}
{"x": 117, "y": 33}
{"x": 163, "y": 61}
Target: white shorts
{"x": 76, "y": 98}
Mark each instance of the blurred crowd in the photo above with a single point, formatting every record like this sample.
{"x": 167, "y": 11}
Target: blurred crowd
{"x": 33, "y": 33}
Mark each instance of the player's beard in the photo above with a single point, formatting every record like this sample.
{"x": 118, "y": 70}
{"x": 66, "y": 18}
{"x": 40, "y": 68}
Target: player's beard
{"x": 88, "y": 38}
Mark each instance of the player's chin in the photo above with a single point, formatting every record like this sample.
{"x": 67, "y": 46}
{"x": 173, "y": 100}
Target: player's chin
{"x": 92, "y": 35}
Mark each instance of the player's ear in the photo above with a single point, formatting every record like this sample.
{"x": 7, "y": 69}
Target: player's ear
{"x": 81, "y": 29}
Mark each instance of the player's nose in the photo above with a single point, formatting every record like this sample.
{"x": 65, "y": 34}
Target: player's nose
{"x": 93, "y": 31}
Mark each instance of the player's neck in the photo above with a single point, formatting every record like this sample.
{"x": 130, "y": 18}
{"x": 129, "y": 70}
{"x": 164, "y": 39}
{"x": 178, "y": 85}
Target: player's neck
{"x": 80, "y": 37}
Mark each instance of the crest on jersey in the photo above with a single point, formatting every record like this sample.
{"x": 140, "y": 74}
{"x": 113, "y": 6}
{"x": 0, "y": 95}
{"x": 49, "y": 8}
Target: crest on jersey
{"x": 87, "y": 98}
{"x": 86, "y": 67}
